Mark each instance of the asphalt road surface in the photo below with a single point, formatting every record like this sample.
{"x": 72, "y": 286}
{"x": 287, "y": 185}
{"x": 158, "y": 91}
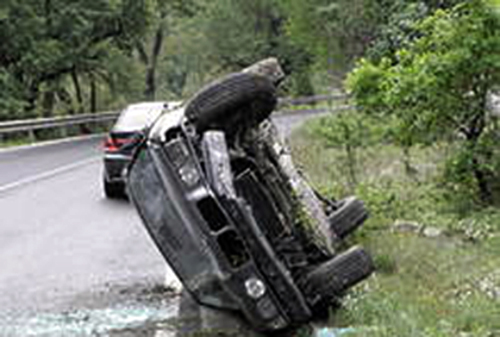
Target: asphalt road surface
{"x": 74, "y": 263}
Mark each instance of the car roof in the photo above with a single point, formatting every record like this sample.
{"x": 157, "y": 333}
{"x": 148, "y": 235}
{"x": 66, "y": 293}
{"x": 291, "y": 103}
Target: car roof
{"x": 139, "y": 115}
{"x": 148, "y": 105}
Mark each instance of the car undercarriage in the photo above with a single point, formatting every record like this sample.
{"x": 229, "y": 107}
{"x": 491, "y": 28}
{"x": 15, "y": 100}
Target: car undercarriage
{"x": 217, "y": 190}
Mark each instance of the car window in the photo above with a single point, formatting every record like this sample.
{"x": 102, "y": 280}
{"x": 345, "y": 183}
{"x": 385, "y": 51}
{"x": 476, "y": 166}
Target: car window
{"x": 137, "y": 117}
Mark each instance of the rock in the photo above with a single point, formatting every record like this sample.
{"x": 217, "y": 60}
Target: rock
{"x": 402, "y": 226}
{"x": 269, "y": 68}
{"x": 432, "y": 232}
{"x": 490, "y": 285}
{"x": 493, "y": 103}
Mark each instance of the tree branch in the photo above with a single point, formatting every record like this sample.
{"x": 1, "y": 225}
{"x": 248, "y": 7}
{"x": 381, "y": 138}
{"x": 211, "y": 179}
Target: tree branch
{"x": 143, "y": 56}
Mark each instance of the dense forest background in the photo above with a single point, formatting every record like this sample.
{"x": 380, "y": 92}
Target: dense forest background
{"x": 72, "y": 56}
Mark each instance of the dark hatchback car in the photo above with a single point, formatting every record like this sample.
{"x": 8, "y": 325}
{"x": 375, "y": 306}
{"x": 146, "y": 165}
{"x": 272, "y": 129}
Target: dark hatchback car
{"x": 215, "y": 192}
{"x": 122, "y": 141}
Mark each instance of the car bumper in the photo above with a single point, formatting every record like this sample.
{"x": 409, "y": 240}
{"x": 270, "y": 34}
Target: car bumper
{"x": 114, "y": 166}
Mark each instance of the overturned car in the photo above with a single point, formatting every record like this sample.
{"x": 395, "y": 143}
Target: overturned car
{"x": 218, "y": 193}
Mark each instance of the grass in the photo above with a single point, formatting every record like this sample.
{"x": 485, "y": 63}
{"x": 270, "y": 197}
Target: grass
{"x": 14, "y": 142}
{"x": 335, "y": 103}
{"x": 445, "y": 286}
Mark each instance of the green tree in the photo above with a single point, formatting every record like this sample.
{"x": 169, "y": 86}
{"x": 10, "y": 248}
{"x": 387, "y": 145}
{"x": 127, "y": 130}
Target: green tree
{"x": 46, "y": 42}
{"x": 336, "y": 32}
{"x": 161, "y": 13}
{"x": 238, "y": 33}
{"x": 439, "y": 88}
{"x": 398, "y": 29}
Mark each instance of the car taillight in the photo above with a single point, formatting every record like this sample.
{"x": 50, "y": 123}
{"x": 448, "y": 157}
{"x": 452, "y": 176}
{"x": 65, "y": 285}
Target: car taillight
{"x": 111, "y": 145}
{"x": 114, "y": 144}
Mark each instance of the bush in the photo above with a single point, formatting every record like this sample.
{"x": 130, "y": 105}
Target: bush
{"x": 438, "y": 89}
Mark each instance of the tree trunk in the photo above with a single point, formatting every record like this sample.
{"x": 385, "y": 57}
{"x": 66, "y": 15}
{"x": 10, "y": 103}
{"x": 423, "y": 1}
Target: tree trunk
{"x": 483, "y": 185}
{"x": 78, "y": 91}
{"x": 33, "y": 93}
{"x": 48, "y": 103}
{"x": 150, "y": 91}
{"x": 65, "y": 98}
{"x": 410, "y": 170}
{"x": 351, "y": 165}
{"x": 476, "y": 129}
{"x": 473, "y": 135}
{"x": 350, "y": 150}
{"x": 84, "y": 129}
{"x": 93, "y": 95}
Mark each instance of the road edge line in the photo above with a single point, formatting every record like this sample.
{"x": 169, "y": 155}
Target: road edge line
{"x": 46, "y": 175}
{"x": 49, "y": 143}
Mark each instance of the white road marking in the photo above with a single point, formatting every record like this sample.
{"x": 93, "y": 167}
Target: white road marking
{"x": 47, "y": 174}
{"x": 51, "y": 142}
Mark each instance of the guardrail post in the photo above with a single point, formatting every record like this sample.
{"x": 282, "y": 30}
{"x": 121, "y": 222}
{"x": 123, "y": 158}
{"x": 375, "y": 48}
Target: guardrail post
{"x": 63, "y": 132}
{"x": 31, "y": 136}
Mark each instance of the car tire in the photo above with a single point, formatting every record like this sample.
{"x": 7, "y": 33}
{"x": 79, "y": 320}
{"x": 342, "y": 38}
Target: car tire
{"x": 332, "y": 278}
{"x": 239, "y": 99}
{"x": 349, "y": 215}
{"x": 114, "y": 190}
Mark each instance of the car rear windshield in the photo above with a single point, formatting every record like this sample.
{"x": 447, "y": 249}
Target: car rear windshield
{"x": 138, "y": 117}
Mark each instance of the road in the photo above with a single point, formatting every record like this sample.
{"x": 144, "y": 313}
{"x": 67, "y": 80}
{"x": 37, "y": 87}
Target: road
{"x": 74, "y": 263}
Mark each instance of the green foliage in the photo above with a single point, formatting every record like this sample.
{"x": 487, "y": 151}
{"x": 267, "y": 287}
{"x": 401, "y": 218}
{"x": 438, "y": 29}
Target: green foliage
{"x": 382, "y": 180}
{"x": 385, "y": 264}
{"x": 224, "y": 36}
{"x": 347, "y": 131}
{"x": 348, "y": 128}
{"x": 59, "y": 44}
{"x": 335, "y": 32}
{"x": 461, "y": 186}
{"x": 9, "y": 95}
{"x": 299, "y": 83}
{"x": 67, "y": 56}
{"x": 367, "y": 83}
{"x": 351, "y": 132}
{"x": 443, "y": 286}
{"x": 442, "y": 79}
{"x": 399, "y": 28}
{"x": 439, "y": 86}
{"x": 239, "y": 33}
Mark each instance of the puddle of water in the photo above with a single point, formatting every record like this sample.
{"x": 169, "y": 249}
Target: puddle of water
{"x": 96, "y": 322}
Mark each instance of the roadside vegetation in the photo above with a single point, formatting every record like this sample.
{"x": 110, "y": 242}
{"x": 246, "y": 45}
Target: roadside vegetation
{"x": 60, "y": 57}
{"x": 67, "y": 57}
{"x": 436, "y": 252}
{"x": 421, "y": 150}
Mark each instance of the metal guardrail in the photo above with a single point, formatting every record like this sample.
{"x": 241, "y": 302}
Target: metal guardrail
{"x": 310, "y": 99}
{"x": 31, "y": 125}
{"x": 47, "y": 123}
